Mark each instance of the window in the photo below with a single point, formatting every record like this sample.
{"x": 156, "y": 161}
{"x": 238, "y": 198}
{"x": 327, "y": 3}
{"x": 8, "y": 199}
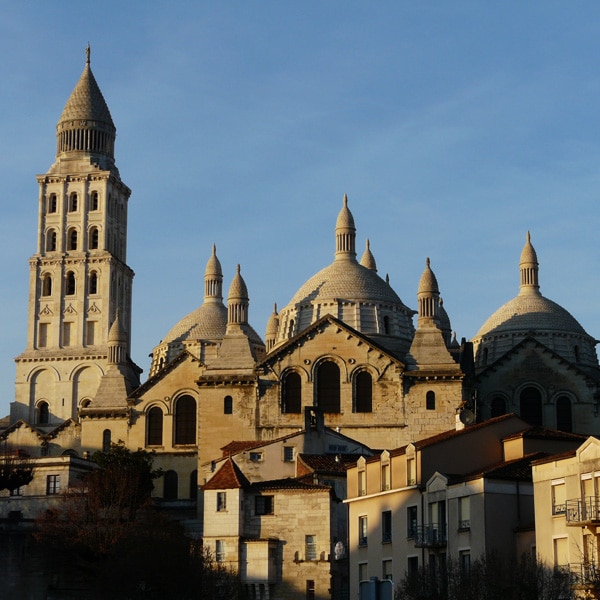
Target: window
{"x": 411, "y": 472}
{"x": 194, "y": 485}
{"x": 386, "y": 526}
{"x": 221, "y": 501}
{"x": 411, "y": 522}
{"x": 256, "y": 456}
{"x": 430, "y": 400}
{"x": 219, "y": 550}
{"x": 385, "y": 477}
{"x": 363, "y": 571}
{"x": 47, "y": 285}
{"x": 362, "y": 531}
{"x": 464, "y": 558}
{"x": 310, "y": 550}
{"x": 288, "y": 453}
{"x": 561, "y": 552}
{"x": 73, "y": 202}
{"x": 72, "y": 239}
{"x": 363, "y": 392}
{"x": 171, "y": 485}
{"x": 185, "y": 420}
{"x": 155, "y": 426}
{"x": 43, "y": 335}
{"x": 564, "y": 418}
{"x": 94, "y": 238}
{"x": 291, "y": 394}
{"x": 263, "y": 505}
{"x": 464, "y": 513}
{"x": 90, "y": 335}
{"x": 94, "y": 201}
{"x": 51, "y": 240}
{"x": 67, "y": 328}
{"x": 17, "y": 491}
{"x": 328, "y": 387}
{"x": 106, "y": 440}
{"x": 52, "y": 204}
{"x": 310, "y": 589}
{"x": 52, "y": 485}
{"x": 531, "y": 406}
{"x": 362, "y": 483}
{"x": 498, "y": 407}
{"x": 559, "y": 497}
{"x": 227, "y": 405}
{"x": 70, "y": 284}
{"x": 43, "y": 413}
{"x": 386, "y": 569}
{"x": 93, "y": 282}
{"x": 412, "y": 567}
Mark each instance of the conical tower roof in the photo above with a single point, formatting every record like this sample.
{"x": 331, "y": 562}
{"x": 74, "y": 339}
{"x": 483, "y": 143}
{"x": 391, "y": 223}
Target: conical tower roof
{"x": 368, "y": 260}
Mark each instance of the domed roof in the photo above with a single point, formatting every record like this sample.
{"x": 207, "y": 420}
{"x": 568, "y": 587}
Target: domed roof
{"x": 531, "y": 313}
{"x": 368, "y": 260}
{"x": 207, "y": 322}
{"x": 238, "y": 288}
{"x": 117, "y": 333}
{"x": 272, "y": 324}
{"x": 351, "y": 292}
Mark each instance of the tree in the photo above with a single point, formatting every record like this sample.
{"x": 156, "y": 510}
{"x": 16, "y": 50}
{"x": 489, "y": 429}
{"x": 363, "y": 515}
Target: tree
{"x": 110, "y": 541}
{"x": 15, "y": 469}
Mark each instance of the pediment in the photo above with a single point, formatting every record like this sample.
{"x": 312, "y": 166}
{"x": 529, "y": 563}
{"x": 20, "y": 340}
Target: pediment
{"x": 326, "y": 337}
{"x": 516, "y": 355}
{"x": 589, "y": 450}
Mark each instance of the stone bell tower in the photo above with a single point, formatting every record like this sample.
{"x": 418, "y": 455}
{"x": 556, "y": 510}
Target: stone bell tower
{"x": 79, "y": 277}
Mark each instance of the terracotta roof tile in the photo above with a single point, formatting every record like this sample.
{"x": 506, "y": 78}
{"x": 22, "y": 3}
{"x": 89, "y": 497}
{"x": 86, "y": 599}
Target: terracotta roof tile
{"x": 229, "y": 476}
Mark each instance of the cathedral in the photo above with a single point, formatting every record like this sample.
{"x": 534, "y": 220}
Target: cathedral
{"x": 345, "y": 351}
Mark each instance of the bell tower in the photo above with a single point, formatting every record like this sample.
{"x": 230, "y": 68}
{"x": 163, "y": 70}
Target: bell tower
{"x": 79, "y": 277}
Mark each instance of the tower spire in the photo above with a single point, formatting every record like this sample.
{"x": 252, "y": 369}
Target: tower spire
{"x": 529, "y": 269}
{"x": 345, "y": 234}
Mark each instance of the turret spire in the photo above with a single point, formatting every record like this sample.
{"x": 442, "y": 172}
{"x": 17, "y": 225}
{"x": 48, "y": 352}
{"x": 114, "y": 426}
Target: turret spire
{"x": 529, "y": 268}
{"x": 345, "y": 234}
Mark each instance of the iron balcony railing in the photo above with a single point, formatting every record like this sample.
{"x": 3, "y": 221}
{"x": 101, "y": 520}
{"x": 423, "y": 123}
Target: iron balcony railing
{"x": 583, "y": 510}
{"x": 430, "y": 536}
{"x": 584, "y": 574}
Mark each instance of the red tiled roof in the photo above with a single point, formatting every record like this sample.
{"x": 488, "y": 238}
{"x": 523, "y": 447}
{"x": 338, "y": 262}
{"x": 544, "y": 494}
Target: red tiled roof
{"x": 229, "y": 476}
{"x": 235, "y": 447}
{"x": 328, "y": 463}
{"x": 290, "y": 483}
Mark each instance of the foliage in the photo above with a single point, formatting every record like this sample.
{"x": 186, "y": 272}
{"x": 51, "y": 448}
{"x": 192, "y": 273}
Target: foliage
{"x": 488, "y": 578}
{"x": 15, "y": 470}
{"x": 109, "y": 540}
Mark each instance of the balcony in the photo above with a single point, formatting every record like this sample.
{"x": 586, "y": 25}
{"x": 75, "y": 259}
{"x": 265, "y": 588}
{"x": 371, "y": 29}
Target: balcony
{"x": 581, "y": 512}
{"x": 584, "y": 574}
{"x": 430, "y": 536}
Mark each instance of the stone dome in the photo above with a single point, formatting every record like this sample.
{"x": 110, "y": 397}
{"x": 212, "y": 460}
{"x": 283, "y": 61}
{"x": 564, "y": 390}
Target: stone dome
{"x": 532, "y": 314}
{"x": 351, "y": 292}
{"x": 208, "y": 322}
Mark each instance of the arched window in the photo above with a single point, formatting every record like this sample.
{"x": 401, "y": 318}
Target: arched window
{"x": 94, "y": 201}
{"x": 386, "y": 325}
{"x": 363, "y": 392}
{"x": 430, "y": 400}
{"x": 291, "y": 394}
{"x": 73, "y": 202}
{"x": 328, "y": 387}
{"x": 497, "y": 407}
{"x": 52, "y": 204}
{"x": 43, "y": 413}
{"x": 228, "y": 405}
{"x": 73, "y": 239}
{"x": 531, "y": 406}
{"x": 70, "y": 284}
{"x": 154, "y": 427}
{"x": 564, "y": 417}
{"x": 185, "y": 420}
{"x": 106, "y": 440}
{"x": 51, "y": 240}
{"x": 194, "y": 485}
{"x": 94, "y": 237}
{"x": 47, "y": 285}
{"x": 171, "y": 485}
{"x": 93, "y": 282}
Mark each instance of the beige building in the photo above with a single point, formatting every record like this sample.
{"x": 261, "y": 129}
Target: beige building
{"x": 344, "y": 349}
{"x": 567, "y": 515}
{"x": 455, "y": 496}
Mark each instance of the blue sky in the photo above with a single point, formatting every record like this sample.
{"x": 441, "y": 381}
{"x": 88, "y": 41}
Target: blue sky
{"x": 454, "y": 127}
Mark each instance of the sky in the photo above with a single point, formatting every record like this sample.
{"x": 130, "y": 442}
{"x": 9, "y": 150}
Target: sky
{"x": 454, "y": 127}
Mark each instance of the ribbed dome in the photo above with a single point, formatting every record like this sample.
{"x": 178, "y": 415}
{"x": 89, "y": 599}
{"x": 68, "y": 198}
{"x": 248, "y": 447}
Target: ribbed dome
{"x": 207, "y": 322}
{"x": 351, "y": 292}
{"x": 213, "y": 266}
{"x": 238, "y": 289}
{"x": 530, "y": 313}
{"x": 85, "y": 126}
{"x": 117, "y": 333}
{"x": 272, "y": 324}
